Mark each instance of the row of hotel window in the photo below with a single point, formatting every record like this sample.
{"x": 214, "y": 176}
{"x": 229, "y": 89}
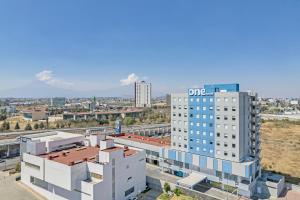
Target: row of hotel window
{"x": 225, "y": 153}
{"x": 205, "y": 99}
{"x": 204, "y": 108}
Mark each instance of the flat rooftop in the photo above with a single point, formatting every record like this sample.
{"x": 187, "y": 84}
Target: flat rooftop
{"x": 56, "y": 135}
{"x": 144, "y": 139}
{"x": 77, "y": 155}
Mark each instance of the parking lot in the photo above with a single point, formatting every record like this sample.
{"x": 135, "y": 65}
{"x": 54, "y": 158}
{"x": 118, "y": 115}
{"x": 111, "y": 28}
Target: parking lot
{"x": 11, "y": 189}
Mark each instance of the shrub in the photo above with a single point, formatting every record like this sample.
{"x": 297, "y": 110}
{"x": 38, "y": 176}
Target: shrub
{"x": 167, "y": 187}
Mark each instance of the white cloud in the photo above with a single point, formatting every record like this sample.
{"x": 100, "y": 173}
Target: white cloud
{"x": 47, "y": 77}
{"x": 129, "y": 80}
{"x": 44, "y": 75}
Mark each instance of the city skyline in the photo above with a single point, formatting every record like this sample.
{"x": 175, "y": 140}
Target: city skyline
{"x": 49, "y": 49}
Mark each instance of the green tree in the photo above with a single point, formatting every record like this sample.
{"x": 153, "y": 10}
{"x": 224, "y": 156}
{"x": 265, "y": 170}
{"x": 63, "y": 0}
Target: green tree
{"x": 69, "y": 124}
{"x": 36, "y": 126}
{"x": 167, "y": 187}
{"x": 18, "y": 167}
{"x": 177, "y": 192}
{"x": 42, "y": 126}
{"x": 57, "y": 125}
{"x": 5, "y": 125}
{"x": 17, "y": 126}
{"x": 129, "y": 121}
{"x": 62, "y": 125}
{"x": 28, "y": 127}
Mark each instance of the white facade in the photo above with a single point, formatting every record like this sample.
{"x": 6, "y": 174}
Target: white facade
{"x": 179, "y": 120}
{"x": 85, "y": 172}
{"x": 142, "y": 94}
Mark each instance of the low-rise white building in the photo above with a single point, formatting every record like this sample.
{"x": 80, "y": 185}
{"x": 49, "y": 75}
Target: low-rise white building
{"x": 70, "y": 166}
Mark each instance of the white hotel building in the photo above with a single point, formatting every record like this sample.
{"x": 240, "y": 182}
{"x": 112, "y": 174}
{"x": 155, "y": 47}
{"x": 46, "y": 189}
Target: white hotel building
{"x": 70, "y": 166}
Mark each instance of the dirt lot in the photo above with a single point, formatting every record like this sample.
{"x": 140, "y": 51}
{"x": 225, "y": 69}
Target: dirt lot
{"x": 280, "y": 143}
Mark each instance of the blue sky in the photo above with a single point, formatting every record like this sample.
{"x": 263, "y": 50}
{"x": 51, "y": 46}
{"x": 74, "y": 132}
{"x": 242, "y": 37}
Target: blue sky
{"x": 84, "y": 48}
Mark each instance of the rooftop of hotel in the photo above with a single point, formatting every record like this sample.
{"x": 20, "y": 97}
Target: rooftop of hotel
{"x": 77, "y": 155}
{"x": 144, "y": 139}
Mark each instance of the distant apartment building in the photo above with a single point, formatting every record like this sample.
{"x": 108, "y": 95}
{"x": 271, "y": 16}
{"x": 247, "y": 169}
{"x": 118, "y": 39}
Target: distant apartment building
{"x": 168, "y": 100}
{"x": 142, "y": 94}
{"x": 72, "y": 166}
{"x": 58, "y": 102}
{"x": 35, "y": 115}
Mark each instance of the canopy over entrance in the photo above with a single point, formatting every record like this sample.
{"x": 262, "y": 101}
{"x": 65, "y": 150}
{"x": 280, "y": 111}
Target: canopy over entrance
{"x": 191, "y": 180}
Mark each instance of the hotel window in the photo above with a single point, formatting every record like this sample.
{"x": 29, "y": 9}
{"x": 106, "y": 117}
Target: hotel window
{"x": 211, "y": 116}
{"x": 197, "y": 140}
{"x": 211, "y": 151}
{"x": 218, "y": 125}
{"x": 179, "y": 122}
{"x": 179, "y": 107}
{"x": 233, "y": 127}
{"x": 192, "y": 123}
{"x": 179, "y": 145}
{"x": 174, "y": 144}
{"x": 233, "y": 136}
{"x": 185, "y": 130}
{"x": 174, "y": 114}
{"x": 218, "y": 134}
{"x": 204, "y": 108}
{"x": 211, "y": 134}
{"x": 185, "y": 99}
{"x": 225, "y": 108}
{"x": 233, "y": 145}
{"x": 204, "y": 125}
{"x": 174, "y": 137}
{"x": 225, "y": 153}
{"x": 191, "y": 131}
{"x": 198, "y": 99}
{"x": 198, "y": 124}
{"x": 191, "y": 108}
{"x": 225, "y": 135}
{"x": 225, "y": 145}
{"x": 192, "y": 99}
{"x": 174, "y": 121}
{"x": 211, "y": 142}
{"x": 233, "y": 155}
{"x": 179, "y": 137}
{"x": 211, "y": 99}
{"x": 179, "y": 130}
{"x": 226, "y": 99}
{"x": 204, "y": 133}
{"x": 233, "y": 99}
{"x": 184, "y": 138}
{"x": 198, "y": 108}
{"x": 197, "y": 116}
{"x": 198, "y": 132}
{"x": 198, "y": 149}
{"x": 185, "y": 123}
{"x": 218, "y": 108}
{"x": 185, "y": 146}
{"x": 210, "y": 124}
{"x": 174, "y": 107}
{"x": 233, "y": 109}
{"x": 191, "y": 147}
{"x": 185, "y": 114}
{"x": 185, "y": 107}
{"x": 225, "y": 117}
{"x": 218, "y": 99}
{"x": 191, "y": 115}
{"x": 233, "y": 118}
{"x": 179, "y": 99}
{"x": 204, "y": 116}
{"x": 204, "y": 149}
{"x": 174, "y": 129}
{"x": 226, "y": 126}
{"x": 204, "y": 99}
{"x": 218, "y": 152}
{"x": 174, "y": 99}
{"x": 211, "y": 107}
{"x": 218, "y": 143}
{"x": 179, "y": 114}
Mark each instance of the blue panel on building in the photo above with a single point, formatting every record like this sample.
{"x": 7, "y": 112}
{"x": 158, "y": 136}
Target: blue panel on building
{"x": 247, "y": 172}
{"x": 188, "y": 158}
{"x": 215, "y": 164}
{"x": 218, "y": 87}
{"x": 203, "y": 162}
{"x": 227, "y": 166}
{"x": 172, "y": 154}
{"x": 179, "y": 156}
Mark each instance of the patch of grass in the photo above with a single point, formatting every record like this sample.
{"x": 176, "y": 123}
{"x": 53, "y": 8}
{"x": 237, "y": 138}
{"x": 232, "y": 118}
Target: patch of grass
{"x": 164, "y": 196}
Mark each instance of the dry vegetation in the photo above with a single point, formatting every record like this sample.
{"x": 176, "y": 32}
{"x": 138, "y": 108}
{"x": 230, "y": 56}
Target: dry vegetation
{"x": 280, "y": 143}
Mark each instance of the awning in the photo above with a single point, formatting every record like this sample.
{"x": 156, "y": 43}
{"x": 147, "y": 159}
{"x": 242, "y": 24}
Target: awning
{"x": 191, "y": 180}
